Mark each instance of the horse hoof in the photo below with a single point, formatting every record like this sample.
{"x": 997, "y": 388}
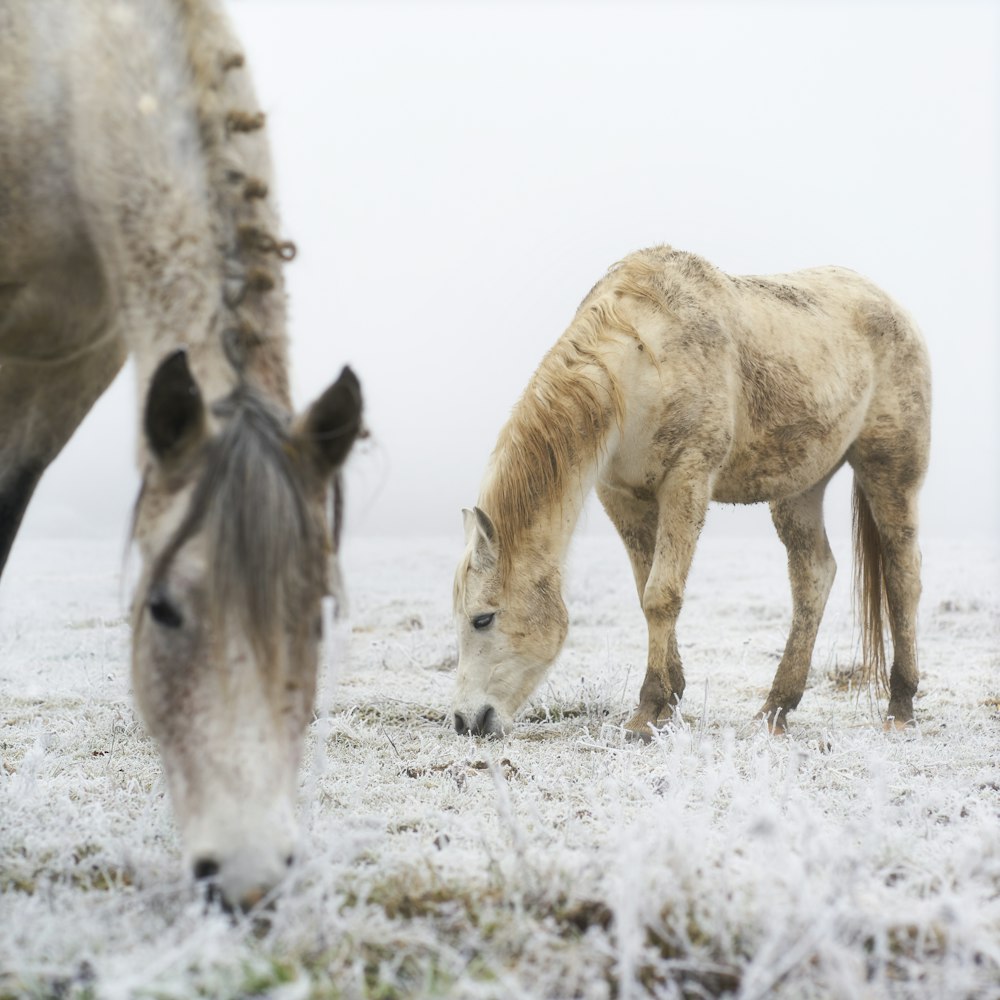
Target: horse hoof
{"x": 640, "y": 727}
{"x": 899, "y": 714}
{"x": 893, "y": 725}
{"x": 775, "y": 719}
{"x": 638, "y": 736}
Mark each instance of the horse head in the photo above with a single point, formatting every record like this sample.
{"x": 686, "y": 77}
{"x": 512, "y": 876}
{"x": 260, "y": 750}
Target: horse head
{"x": 511, "y": 623}
{"x": 234, "y": 539}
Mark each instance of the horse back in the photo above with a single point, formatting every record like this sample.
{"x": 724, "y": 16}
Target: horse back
{"x": 769, "y": 379}
{"x": 821, "y": 355}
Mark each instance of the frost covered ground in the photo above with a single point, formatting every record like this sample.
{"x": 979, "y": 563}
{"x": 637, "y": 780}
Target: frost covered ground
{"x": 559, "y": 862}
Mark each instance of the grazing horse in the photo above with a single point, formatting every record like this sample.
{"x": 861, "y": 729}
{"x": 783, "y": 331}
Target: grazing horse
{"x": 675, "y": 385}
{"x": 136, "y": 219}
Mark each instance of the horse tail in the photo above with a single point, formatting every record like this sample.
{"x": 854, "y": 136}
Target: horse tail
{"x": 869, "y": 588}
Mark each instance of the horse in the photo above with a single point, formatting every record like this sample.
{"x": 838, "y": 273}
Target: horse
{"x": 137, "y": 220}
{"x": 675, "y": 385}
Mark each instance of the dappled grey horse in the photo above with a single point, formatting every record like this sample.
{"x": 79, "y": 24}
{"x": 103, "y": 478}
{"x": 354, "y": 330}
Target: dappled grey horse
{"x": 137, "y": 219}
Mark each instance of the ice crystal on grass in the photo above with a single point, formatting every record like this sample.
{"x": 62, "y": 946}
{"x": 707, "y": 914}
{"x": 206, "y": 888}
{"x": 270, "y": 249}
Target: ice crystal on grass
{"x": 561, "y": 861}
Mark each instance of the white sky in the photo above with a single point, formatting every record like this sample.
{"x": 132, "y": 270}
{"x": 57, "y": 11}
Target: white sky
{"x": 457, "y": 176}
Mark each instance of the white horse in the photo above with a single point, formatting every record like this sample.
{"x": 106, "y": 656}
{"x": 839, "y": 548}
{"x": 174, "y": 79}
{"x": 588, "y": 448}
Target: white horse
{"x": 136, "y": 219}
{"x": 675, "y": 385}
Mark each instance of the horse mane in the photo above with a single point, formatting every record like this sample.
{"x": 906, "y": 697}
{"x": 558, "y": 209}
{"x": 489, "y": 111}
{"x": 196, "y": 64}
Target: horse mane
{"x": 670, "y": 281}
{"x": 562, "y": 418}
{"x": 558, "y": 425}
{"x": 267, "y": 546}
{"x": 238, "y": 166}
{"x": 268, "y": 550}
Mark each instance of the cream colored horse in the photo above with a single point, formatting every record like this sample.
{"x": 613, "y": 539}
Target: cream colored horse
{"x": 675, "y": 385}
{"x": 136, "y": 218}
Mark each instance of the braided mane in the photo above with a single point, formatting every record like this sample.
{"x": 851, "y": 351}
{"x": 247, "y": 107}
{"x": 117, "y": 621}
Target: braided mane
{"x": 237, "y": 161}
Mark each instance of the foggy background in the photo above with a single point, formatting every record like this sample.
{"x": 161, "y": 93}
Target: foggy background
{"x": 458, "y": 175}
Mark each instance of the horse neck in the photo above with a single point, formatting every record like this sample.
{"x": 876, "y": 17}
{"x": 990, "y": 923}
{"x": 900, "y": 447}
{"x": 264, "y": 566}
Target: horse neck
{"x": 549, "y": 453}
{"x": 206, "y": 252}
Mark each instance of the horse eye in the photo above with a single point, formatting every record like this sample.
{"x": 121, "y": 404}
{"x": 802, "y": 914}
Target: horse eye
{"x": 483, "y": 621}
{"x": 163, "y": 612}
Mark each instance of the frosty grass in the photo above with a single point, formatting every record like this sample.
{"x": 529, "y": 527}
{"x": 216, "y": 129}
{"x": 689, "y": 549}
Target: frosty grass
{"x": 561, "y": 861}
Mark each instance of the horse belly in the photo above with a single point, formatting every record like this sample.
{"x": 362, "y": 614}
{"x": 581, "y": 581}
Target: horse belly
{"x": 787, "y": 458}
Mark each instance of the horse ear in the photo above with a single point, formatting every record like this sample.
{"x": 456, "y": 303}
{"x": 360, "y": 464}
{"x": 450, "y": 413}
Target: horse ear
{"x": 481, "y": 533}
{"x": 175, "y": 412}
{"x": 330, "y": 425}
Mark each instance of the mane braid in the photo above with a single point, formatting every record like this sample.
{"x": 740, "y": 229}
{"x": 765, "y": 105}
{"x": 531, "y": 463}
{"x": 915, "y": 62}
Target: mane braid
{"x": 238, "y": 165}
{"x": 557, "y": 427}
{"x": 266, "y": 555}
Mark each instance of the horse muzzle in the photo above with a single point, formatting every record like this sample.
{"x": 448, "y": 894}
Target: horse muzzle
{"x": 485, "y": 722}
{"x": 241, "y": 881}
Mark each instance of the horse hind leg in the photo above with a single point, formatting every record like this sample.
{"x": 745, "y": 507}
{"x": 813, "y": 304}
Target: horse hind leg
{"x": 40, "y": 407}
{"x": 811, "y": 570}
{"x": 886, "y": 493}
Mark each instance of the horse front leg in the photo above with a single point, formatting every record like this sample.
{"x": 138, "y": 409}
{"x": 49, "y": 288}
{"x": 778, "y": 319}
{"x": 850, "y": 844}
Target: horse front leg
{"x": 682, "y": 501}
{"x": 40, "y": 407}
{"x": 634, "y": 514}
{"x": 811, "y": 569}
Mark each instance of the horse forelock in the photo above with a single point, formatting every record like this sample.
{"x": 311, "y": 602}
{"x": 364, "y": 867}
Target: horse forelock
{"x": 556, "y": 430}
{"x": 250, "y": 500}
{"x": 265, "y": 545}
{"x": 459, "y": 586}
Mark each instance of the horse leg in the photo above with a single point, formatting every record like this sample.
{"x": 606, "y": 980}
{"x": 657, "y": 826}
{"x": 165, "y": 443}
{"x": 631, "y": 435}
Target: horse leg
{"x": 890, "y": 488}
{"x": 635, "y": 519}
{"x": 40, "y": 407}
{"x": 682, "y": 501}
{"x": 811, "y": 569}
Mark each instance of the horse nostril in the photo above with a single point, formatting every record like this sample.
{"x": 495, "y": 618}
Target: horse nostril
{"x": 485, "y": 722}
{"x": 205, "y": 868}
{"x": 289, "y": 860}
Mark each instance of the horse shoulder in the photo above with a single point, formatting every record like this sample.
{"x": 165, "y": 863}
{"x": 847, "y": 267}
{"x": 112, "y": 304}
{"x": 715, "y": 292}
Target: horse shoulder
{"x": 54, "y": 295}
